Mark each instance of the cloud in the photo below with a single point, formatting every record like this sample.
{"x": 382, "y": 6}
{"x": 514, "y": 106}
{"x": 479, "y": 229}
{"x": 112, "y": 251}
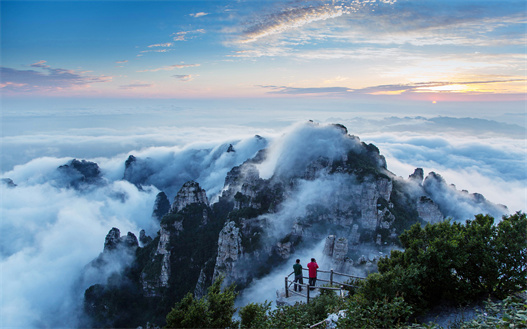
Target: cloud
{"x": 393, "y": 89}
{"x": 170, "y": 67}
{"x": 301, "y": 145}
{"x": 290, "y": 18}
{"x": 432, "y": 23}
{"x": 43, "y": 257}
{"x": 186, "y": 35}
{"x": 293, "y": 16}
{"x": 134, "y": 86}
{"x": 168, "y": 168}
{"x": 121, "y": 62}
{"x": 299, "y": 91}
{"x": 40, "y": 64}
{"x": 156, "y": 51}
{"x": 386, "y": 23}
{"x": 80, "y": 129}
{"x": 52, "y": 79}
{"x": 43, "y": 253}
{"x": 154, "y": 48}
{"x": 432, "y": 86}
{"x": 477, "y": 155}
{"x": 168, "y": 44}
{"x": 262, "y": 51}
{"x": 63, "y": 230}
{"x": 184, "y": 77}
{"x": 200, "y": 14}
{"x": 464, "y": 154}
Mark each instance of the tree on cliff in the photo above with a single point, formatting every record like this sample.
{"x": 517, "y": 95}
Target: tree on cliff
{"x": 455, "y": 262}
{"x": 214, "y": 310}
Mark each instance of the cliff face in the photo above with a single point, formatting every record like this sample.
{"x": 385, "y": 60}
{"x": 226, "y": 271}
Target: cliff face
{"x": 347, "y": 193}
{"x": 190, "y": 193}
{"x": 230, "y": 250}
{"x": 322, "y": 186}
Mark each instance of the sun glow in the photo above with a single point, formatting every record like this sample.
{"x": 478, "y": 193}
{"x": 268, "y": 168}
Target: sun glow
{"x": 445, "y": 88}
{"x": 391, "y": 92}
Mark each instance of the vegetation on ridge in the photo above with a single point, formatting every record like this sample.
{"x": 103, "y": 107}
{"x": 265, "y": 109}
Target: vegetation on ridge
{"x": 446, "y": 262}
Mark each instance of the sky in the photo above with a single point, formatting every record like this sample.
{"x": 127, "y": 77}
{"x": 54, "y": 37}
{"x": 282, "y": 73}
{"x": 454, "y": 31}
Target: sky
{"x": 439, "y": 85}
{"x": 412, "y": 50}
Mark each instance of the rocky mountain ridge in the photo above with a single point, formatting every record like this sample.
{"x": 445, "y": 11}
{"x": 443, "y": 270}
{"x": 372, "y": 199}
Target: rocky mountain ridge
{"x": 318, "y": 186}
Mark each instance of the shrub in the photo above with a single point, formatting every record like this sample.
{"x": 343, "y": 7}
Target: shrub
{"x": 255, "y": 315}
{"x": 454, "y": 262}
{"x": 215, "y": 310}
{"x": 364, "y": 313}
{"x": 508, "y": 314}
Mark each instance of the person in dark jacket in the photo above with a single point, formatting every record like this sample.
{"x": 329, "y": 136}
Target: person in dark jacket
{"x": 312, "y": 272}
{"x": 298, "y": 275}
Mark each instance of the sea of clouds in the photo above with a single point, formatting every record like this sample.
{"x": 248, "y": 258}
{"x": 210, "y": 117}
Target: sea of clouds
{"x": 50, "y": 232}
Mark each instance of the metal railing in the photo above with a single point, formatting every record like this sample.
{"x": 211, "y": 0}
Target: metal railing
{"x": 331, "y": 282}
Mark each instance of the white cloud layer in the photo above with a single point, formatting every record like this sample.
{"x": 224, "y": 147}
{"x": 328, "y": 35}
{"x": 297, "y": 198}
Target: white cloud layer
{"x": 51, "y": 232}
{"x": 46, "y": 79}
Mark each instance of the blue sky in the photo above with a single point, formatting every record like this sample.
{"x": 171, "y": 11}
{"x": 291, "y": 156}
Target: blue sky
{"x": 405, "y": 49}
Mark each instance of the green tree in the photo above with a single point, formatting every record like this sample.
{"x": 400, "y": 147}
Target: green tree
{"x": 368, "y": 314}
{"x": 221, "y": 305}
{"x": 476, "y": 262}
{"x": 456, "y": 262}
{"x": 215, "y": 310}
{"x": 511, "y": 253}
{"x": 189, "y": 313}
{"x": 255, "y": 315}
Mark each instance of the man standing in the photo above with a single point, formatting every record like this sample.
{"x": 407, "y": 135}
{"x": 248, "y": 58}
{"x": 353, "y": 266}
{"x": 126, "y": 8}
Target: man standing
{"x": 312, "y": 273}
{"x": 298, "y": 274}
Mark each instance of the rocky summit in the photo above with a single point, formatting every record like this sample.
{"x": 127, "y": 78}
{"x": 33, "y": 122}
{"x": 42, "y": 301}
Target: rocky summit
{"x": 316, "y": 188}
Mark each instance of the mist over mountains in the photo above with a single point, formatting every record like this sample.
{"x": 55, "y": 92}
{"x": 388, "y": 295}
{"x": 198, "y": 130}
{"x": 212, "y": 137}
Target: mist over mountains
{"x": 57, "y": 211}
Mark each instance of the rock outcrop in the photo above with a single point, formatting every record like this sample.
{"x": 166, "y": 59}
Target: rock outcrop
{"x": 118, "y": 254}
{"x": 137, "y": 171}
{"x": 201, "y": 288}
{"x": 157, "y": 274}
{"x": 79, "y": 174}
{"x": 115, "y": 241}
{"x": 8, "y": 182}
{"x": 190, "y": 193}
{"x": 229, "y": 252}
{"x": 188, "y": 215}
{"x": 336, "y": 254}
{"x": 112, "y": 240}
{"x": 143, "y": 238}
{"x": 457, "y": 204}
{"x": 161, "y": 206}
{"x": 417, "y": 176}
{"x": 428, "y": 210}
{"x": 371, "y": 192}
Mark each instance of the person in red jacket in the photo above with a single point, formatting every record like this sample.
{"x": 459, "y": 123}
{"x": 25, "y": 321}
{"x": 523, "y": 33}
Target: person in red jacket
{"x": 312, "y": 272}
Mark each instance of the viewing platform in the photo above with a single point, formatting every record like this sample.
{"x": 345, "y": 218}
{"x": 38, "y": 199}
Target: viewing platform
{"x": 326, "y": 280}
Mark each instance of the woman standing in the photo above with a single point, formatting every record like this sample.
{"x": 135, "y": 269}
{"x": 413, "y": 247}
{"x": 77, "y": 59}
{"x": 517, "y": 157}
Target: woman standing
{"x": 312, "y": 273}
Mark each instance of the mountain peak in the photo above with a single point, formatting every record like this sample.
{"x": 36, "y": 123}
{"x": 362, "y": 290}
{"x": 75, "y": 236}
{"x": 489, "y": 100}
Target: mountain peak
{"x": 189, "y": 193}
